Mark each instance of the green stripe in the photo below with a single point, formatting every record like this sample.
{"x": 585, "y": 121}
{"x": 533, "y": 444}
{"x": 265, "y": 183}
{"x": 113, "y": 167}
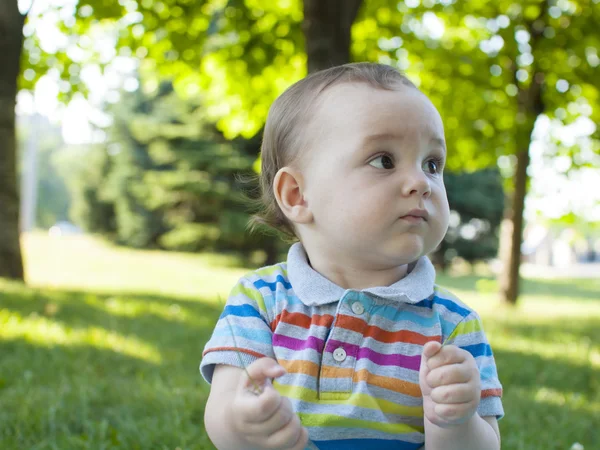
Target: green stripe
{"x": 331, "y": 420}
{"x": 360, "y": 400}
{"x": 472, "y": 326}
{"x": 251, "y": 293}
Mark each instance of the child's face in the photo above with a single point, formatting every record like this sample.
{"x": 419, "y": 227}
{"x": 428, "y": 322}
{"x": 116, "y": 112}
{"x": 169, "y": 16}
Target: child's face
{"x": 373, "y": 176}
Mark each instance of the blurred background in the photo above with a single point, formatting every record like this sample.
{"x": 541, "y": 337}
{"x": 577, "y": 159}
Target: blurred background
{"x": 129, "y": 135}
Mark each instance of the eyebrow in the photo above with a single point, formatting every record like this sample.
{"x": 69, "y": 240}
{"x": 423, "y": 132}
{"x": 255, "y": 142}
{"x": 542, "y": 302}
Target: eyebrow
{"x": 389, "y": 136}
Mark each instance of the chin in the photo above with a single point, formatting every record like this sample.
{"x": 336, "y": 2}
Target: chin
{"x": 405, "y": 256}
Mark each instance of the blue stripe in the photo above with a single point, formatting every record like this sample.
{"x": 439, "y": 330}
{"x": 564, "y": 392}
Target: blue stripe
{"x": 366, "y": 444}
{"x": 252, "y": 334}
{"x": 451, "y": 306}
{"x": 488, "y": 372}
{"x": 240, "y": 311}
{"x": 447, "y": 328}
{"x": 273, "y": 285}
{"x": 394, "y": 314}
{"x": 478, "y": 350}
{"x": 427, "y": 303}
{"x": 293, "y": 300}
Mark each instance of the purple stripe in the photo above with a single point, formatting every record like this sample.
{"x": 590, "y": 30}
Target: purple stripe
{"x": 396, "y": 359}
{"x": 279, "y": 340}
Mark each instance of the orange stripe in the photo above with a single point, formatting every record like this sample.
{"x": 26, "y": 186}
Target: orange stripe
{"x": 491, "y": 393}
{"x": 354, "y": 324}
{"x": 393, "y": 384}
{"x": 312, "y": 369}
{"x": 336, "y": 372}
{"x": 233, "y": 349}
{"x": 388, "y": 337}
{"x": 299, "y": 366}
{"x": 302, "y": 320}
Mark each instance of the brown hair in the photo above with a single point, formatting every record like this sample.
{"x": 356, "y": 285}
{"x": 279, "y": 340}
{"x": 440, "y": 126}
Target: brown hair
{"x": 283, "y": 139}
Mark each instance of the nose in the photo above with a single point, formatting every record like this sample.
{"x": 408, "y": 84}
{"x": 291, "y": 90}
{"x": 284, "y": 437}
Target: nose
{"x": 416, "y": 183}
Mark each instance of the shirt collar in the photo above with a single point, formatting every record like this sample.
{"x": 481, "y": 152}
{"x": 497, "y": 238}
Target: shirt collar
{"x": 313, "y": 289}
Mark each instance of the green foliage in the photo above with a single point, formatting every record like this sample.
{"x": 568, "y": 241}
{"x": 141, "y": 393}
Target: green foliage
{"x": 89, "y": 209}
{"x": 477, "y": 205}
{"x": 242, "y": 53}
{"x": 479, "y": 71}
{"x": 53, "y": 193}
{"x": 170, "y": 178}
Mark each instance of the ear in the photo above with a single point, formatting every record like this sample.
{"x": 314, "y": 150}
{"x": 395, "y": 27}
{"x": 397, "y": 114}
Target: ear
{"x": 288, "y": 190}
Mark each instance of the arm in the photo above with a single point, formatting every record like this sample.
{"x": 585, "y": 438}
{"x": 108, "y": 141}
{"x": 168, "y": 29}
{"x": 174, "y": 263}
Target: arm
{"x": 451, "y": 387}
{"x": 218, "y": 407}
{"x": 476, "y": 434}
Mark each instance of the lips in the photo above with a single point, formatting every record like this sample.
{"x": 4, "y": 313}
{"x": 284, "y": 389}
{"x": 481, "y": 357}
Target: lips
{"x": 416, "y": 216}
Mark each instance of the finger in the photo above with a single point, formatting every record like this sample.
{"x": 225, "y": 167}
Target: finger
{"x": 286, "y": 437}
{"x": 302, "y": 440}
{"x": 453, "y": 394}
{"x": 455, "y": 413}
{"x": 448, "y": 354}
{"x": 447, "y": 375}
{"x": 260, "y": 371}
{"x": 431, "y": 348}
{"x": 278, "y": 420}
{"x": 258, "y": 409}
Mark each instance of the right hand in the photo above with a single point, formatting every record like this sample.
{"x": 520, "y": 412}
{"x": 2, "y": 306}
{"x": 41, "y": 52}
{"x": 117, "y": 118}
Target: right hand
{"x": 266, "y": 420}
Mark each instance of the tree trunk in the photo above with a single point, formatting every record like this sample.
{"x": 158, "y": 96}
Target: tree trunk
{"x": 510, "y": 280}
{"x": 531, "y": 105}
{"x": 327, "y": 29}
{"x": 11, "y": 42}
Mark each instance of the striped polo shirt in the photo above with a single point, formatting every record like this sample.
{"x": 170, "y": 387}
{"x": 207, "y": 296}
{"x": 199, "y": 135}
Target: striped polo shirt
{"x": 352, "y": 357}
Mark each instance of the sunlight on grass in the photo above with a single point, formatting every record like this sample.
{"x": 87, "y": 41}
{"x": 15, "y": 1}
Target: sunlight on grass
{"x": 45, "y": 332}
{"x": 82, "y": 262}
{"x": 571, "y": 351}
{"x": 559, "y": 398}
{"x": 124, "y": 306}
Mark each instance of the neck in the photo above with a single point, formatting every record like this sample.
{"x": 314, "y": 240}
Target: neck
{"x": 354, "y": 276}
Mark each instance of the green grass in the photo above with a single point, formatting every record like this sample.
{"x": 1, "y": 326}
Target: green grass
{"x": 101, "y": 350}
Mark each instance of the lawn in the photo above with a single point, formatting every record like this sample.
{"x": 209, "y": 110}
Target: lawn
{"x": 101, "y": 350}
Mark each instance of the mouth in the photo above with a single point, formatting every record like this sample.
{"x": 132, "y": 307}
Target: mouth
{"x": 416, "y": 216}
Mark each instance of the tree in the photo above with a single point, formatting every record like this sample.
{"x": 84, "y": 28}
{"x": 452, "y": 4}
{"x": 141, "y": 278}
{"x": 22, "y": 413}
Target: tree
{"x": 167, "y": 179}
{"x": 549, "y": 72}
{"x": 11, "y": 40}
{"x": 172, "y": 177}
{"x": 541, "y": 57}
{"x": 327, "y": 27}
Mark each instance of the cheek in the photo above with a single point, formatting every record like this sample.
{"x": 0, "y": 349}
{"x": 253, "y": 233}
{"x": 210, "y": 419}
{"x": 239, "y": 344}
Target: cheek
{"x": 443, "y": 209}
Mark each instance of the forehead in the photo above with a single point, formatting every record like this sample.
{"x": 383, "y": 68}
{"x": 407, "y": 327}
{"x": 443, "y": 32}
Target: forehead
{"x": 360, "y": 108}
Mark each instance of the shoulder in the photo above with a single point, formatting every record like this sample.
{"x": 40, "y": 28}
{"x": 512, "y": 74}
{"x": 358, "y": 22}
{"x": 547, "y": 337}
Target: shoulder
{"x": 267, "y": 279}
{"x": 452, "y": 312}
{"x": 448, "y": 304}
{"x": 257, "y": 289}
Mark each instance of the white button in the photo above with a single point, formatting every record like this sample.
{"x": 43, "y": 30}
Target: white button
{"x": 339, "y": 354}
{"x": 358, "y": 308}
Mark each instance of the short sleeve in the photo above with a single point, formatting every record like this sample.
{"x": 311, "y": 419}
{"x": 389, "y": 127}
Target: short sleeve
{"x": 242, "y": 334}
{"x": 469, "y": 335}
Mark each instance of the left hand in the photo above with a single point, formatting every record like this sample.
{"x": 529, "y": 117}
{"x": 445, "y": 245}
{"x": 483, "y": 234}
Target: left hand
{"x": 450, "y": 384}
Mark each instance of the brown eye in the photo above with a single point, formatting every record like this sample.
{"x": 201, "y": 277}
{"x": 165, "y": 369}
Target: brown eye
{"x": 432, "y": 166}
{"x": 382, "y": 162}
